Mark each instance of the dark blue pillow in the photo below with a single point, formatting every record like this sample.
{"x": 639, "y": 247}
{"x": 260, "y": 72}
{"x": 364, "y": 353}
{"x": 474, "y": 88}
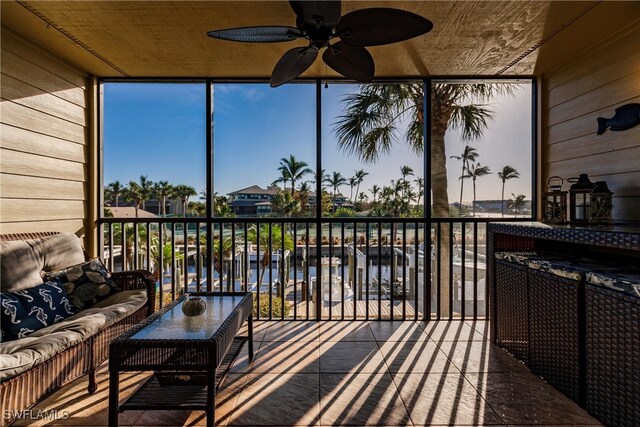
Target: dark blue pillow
{"x": 86, "y": 283}
{"x": 28, "y": 310}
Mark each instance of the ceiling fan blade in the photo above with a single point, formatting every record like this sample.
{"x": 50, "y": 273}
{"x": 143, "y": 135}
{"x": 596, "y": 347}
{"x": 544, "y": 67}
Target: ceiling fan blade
{"x": 264, "y": 34}
{"x": 293, "y": 63}
{"x": 378, "y": 26}
{"x": 353, "y": 62}
{"x": 317, "y": 13}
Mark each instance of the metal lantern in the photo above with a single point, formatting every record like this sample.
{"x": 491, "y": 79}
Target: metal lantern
{"x": 601, "y": 199}
{"x": 554, "y": 202}
{"x": 580, "y": 199}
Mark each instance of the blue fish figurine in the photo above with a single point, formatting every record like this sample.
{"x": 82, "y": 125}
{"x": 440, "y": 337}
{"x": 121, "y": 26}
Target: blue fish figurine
{"x": 625, "y": 118}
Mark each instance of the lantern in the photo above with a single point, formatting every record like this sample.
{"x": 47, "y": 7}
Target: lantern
{"x": 554, "y": 208}
{"x": 601, "y": 199}
{"x": 580, "y": 199}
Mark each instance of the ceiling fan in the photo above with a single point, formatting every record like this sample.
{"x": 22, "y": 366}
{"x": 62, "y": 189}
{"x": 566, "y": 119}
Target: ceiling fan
{"x": 320, "y": 22}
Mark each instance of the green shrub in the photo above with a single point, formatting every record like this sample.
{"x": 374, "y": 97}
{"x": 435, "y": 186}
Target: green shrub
{"x": 276, "y": 306}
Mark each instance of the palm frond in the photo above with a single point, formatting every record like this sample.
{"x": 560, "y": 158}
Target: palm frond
{"x": 471, "y": 119}
{"x": 369, "y": 125}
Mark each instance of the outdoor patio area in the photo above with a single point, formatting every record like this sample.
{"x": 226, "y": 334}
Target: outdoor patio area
{"x": 353, "y": 373}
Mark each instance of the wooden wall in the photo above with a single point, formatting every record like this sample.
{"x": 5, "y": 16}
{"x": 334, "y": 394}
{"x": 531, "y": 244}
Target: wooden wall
{"x": 575, "y": 93}
{"x": 44, "y": 141}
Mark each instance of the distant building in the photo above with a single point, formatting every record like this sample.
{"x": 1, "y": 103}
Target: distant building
{"x": 245, "y": 202}
{"x": 256, "y": 201}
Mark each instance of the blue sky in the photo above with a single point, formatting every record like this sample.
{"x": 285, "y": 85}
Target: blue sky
{"x": 159, "y": 130}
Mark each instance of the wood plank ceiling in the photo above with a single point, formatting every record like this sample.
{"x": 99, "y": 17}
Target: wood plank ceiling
{"x": 168, "y": 39}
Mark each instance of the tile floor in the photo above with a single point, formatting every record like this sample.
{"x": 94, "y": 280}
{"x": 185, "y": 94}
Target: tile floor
{"x": 356, "y": 374}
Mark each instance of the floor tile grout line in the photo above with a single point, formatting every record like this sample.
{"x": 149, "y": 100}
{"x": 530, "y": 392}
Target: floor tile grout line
{"x": 470, "y": 324}
{"x": 495, "y": 411}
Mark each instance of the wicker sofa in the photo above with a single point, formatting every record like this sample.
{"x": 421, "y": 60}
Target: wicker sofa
{"x": 71, "y": 349}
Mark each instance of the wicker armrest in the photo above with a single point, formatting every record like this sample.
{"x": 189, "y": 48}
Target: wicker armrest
{"x": 138, "y": 279}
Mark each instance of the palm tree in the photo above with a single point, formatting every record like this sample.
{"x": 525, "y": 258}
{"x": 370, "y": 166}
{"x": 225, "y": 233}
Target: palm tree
{"x": 336, "y": 181}
{"x": 116, "y": 189}
{"x": 469, "y": 154}
{"x": 352, "y": 183}
{"x": 146, "y": 188}
{"x": 507, "y": 173}
{"x": 517, "y": 202}
{"x": 374, "y": 191}
{"x": 221, "y": 208}
{"x": 197, "y": 209}
{"x": 162, "y": 190}
{"x": 221, "y": 256}
{"x": 420, "y": 183}
{"x": 359, "y": 175}
{"x": 304, "y": 187}
{"x": 303, "y": 195}
{"x": 282, "y": 179}
{"x": 405, "y": 171}
{"x": 371, "y": 121}
{"x": 474, "y": 172}
{"x": 284, "y": 204}
{"x": 261, "y": 235}
{"x": 183, "y": 192}
{"x": 293, "y": 170}
{"x": 135, "y": 193}
{"x": 324, "y": 178}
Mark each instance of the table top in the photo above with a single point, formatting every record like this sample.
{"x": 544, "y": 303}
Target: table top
{"x": 173, "y": 324}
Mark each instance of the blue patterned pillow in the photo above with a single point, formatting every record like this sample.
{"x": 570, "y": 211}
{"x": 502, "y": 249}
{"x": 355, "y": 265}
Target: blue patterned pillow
{"x": 86, "y": 283}
{"x": 28, "y": 310}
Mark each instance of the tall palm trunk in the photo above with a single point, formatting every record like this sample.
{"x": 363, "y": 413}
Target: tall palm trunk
{"x": 264, "y": 263}
{"x": 461, "y": 189}
{"x": 441, "y": 209}
{"x": 502, "y": 199}
{"x": 474, "y": 196}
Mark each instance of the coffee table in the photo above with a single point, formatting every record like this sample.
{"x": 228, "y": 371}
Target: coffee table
{"x": 189, "y": 355}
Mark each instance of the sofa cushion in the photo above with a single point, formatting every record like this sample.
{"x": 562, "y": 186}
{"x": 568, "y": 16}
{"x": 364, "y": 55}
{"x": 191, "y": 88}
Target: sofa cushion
{"x": 19, "y": 266}
{"x": 21, "y": 355}
{"x": 86, "y": 283}
{"x": 26, "y": 311}
{"x": 58, "y": 251}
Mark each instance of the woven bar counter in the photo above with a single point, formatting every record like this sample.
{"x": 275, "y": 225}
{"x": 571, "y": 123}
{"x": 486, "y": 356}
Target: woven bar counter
{"x": 566, "y": 301}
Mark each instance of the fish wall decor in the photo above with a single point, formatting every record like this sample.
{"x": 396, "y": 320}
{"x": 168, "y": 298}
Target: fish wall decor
{"x": 625, "y": 118}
